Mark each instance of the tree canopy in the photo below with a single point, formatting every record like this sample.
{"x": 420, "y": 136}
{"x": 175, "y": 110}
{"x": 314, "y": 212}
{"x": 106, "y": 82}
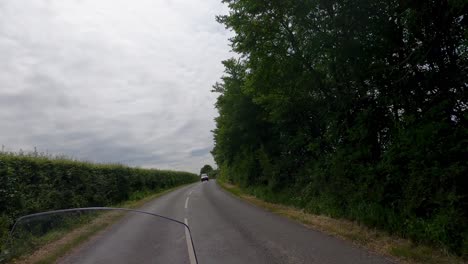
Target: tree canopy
{"x": 354, "y": 109}
{"x": 206, "y": 169}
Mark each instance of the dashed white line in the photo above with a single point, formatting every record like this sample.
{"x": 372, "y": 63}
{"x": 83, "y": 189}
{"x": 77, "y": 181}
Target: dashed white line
{"x": 190, "y": 192}
{"x": 186, "y": 202}
{"x": 189, "y": 244}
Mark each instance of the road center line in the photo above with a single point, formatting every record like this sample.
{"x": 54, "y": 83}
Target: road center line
{"x": 192, "y": 258}
{"x": 186, "y": 202}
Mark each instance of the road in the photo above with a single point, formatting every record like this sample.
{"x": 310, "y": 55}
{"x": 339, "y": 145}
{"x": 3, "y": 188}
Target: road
{"x": 224, "y": 229}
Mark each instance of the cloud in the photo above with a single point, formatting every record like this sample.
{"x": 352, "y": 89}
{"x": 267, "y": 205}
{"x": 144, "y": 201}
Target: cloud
{"x": 200, "y": 152}
{"x": 112, "y": 80}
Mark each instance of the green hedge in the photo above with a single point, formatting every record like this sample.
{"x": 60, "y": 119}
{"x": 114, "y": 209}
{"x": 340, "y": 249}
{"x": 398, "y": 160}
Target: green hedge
{"x": 31, "y": 184}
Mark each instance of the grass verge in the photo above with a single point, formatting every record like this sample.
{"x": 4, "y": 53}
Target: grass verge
{"x": 54, "y": 249}
{"x": 398, "y": 249}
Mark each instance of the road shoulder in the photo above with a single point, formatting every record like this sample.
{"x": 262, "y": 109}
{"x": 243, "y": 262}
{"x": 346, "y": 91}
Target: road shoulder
{"x": 397, "y": 249}
{"x": 75, "y": 238}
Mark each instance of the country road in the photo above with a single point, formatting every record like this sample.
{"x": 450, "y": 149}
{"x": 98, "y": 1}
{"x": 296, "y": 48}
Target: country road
{"x": 224, "y": 230}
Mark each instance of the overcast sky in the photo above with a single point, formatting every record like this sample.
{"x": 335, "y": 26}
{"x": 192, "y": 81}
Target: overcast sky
{"x": 112, "y": 80}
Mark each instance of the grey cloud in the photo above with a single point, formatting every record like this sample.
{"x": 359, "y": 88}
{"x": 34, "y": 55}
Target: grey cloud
{"x": 111, "y": 80}
{"x": 200, "y": 152}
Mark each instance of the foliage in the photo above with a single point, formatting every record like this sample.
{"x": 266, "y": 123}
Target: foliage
{"x": 213, "y": 174}
{"x": 206, "y": 169}
{"x": 354, "y": 109}
{"x": 31, "y": 183}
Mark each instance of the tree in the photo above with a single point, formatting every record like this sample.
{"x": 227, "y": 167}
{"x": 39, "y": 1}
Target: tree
{"x": 351, "y": 107}
{"x": 206, "y": 169}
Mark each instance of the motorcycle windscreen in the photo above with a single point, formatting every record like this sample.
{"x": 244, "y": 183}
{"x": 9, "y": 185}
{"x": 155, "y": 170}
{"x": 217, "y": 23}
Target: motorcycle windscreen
{"x": 99, "y": 235}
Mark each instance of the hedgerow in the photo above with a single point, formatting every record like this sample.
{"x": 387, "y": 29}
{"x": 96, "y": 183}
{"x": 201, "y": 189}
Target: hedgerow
{"x": 31, "y": 183}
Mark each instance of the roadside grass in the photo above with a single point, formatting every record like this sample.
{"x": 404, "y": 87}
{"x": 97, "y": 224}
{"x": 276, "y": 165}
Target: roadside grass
{"x": 59, "y": 243}
{"x": 397, "y": 249}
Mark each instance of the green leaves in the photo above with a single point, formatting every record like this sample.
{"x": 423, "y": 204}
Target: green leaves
{"x": 360, "y": 106}
{"x": 30, "y": 184}
{"x": 206, "y": 169}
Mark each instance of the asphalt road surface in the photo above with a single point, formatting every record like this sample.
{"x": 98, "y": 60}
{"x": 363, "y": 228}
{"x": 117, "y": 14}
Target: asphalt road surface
{"x": 224, "y": 229}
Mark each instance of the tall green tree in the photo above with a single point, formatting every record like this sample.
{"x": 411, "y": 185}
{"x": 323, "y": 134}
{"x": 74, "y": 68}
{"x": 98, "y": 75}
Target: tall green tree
{"x": 206, "y": 169}
{"x": 355, "y": 109}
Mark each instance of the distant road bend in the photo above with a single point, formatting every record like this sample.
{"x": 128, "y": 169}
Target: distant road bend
{"x": 224, "y": 230}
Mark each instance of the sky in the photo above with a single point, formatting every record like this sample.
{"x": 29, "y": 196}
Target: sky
{"x": 112, "y": 80}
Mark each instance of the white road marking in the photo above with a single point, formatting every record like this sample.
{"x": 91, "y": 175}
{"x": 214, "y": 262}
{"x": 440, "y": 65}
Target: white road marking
{"x": 189, "y": 244}
{"x": 186, "y": 202}
{"x": 190, "y": 192}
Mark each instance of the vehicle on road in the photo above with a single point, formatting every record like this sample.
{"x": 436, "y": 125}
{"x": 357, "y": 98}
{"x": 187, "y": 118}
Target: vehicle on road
{"x": 120, "y": 235}
{"x": 204, "y": 177}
